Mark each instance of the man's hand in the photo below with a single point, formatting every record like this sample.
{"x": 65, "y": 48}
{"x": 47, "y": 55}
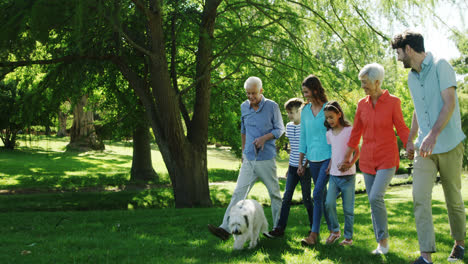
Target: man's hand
{"x": 427, "y": 145}
{"x": 410, "y": 150}
{"x": 259, "y": 142}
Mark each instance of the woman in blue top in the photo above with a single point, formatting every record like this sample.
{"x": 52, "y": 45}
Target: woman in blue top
{"x": 313, "y": 145}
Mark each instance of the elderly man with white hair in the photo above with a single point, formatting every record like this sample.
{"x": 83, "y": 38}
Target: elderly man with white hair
{"x": 376, "y": 115}
{"x": 261, "y": 125}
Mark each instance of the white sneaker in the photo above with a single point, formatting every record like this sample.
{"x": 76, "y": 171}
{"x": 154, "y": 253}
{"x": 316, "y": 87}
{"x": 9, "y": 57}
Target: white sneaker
{"x": 381, "y": 250}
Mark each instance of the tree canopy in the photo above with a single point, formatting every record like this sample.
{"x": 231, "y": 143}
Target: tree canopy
{"x": 186, "y": 60}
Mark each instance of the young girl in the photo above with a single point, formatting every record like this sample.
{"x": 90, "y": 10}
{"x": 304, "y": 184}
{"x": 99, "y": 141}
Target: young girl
{"x": 339, "y": 131}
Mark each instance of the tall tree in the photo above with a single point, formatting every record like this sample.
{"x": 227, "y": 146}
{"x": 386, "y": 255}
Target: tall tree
{"x": 175, "y": 54}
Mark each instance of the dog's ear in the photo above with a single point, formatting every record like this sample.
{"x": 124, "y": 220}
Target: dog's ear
{"x": 229, "y": 217}
{"x": 246, "y": 221}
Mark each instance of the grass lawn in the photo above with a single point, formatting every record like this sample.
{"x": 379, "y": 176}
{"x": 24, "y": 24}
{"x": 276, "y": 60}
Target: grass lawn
{"x": 59, "y": 207}
{"x": 44, "y": 177}
{"x": 181, "y": 236}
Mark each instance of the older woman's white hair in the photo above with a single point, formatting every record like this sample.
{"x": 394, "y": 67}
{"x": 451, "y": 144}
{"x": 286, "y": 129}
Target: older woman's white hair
{"x": 253, "y": 81}
{"x": 373, "y": 71}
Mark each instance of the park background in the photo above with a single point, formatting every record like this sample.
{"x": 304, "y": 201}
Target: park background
{"x": 120, "y": 121}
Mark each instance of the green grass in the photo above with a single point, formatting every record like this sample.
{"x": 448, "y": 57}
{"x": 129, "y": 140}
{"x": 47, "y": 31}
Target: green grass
{"x": 44, "y": 177}
{"x": 40, "y": 161}
{"x": 181, "y": 236}
{"x": 79, "y": 208}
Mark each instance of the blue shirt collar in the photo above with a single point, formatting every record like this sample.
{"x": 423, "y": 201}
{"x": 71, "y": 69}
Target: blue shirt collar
{"x": 260, "y": 105}
{"x": 427, "y": 61}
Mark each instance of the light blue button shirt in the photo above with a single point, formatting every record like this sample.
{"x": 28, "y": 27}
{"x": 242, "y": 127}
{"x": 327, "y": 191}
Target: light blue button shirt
{"x": 436, "y": 75}
{"x": 254, "y": 124}
{"x": 313, "y": 142}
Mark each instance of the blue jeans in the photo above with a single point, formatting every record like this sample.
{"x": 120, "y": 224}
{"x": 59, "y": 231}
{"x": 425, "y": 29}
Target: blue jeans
{"x": 291, "y": 183}
{"x": 346, "y": 185}
{"x": 320, "y": 177}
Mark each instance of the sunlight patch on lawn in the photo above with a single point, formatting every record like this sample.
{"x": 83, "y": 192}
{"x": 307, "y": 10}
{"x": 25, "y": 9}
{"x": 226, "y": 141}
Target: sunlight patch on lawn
{"x": 7, "y": 180}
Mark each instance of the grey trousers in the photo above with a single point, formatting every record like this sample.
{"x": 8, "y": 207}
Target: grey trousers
{"x": 376, "y": 186}
{"x": 250, "y": 171}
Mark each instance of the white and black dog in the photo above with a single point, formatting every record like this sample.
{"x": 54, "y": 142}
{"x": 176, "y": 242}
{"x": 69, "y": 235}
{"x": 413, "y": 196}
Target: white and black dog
{"x": 246, "y": 221}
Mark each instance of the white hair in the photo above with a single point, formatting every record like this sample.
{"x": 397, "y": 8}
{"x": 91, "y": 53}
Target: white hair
{"x": 253, "y": 81}
{"x": 374, "y": 71}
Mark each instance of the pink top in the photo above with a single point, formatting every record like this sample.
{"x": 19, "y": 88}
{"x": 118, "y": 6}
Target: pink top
{"x": 339, "y": 145}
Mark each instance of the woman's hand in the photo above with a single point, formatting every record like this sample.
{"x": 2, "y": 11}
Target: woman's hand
{"x": 300, "y": 170}
{"x": 344, "y": 166}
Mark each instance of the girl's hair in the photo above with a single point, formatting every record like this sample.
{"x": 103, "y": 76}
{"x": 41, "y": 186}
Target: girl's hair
{"x": 335, "y": 107}
{"x": 313, "y": 83}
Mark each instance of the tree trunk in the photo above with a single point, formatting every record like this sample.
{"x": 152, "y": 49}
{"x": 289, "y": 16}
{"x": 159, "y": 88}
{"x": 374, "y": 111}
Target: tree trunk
{"x": 83, "y": 135}
{"x": 62, "y": 131}
{"x": 9, "y": 138}
{"x": 184, "y": 154}
{"x": 47, "y": 130}
{"x": 142, "y": 167}
{"x": 191, "y": 178}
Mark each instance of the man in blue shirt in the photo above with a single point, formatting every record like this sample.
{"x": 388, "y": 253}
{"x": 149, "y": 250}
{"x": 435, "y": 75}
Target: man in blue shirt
{"x": 261, "y": 125}
{"x": 439, "y": 147}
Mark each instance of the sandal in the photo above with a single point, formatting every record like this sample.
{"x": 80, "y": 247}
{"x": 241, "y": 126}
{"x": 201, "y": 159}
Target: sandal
{"x": 311, "y": 240}
{"x": 346, "y": 242}
{"x": 333, "y": 237}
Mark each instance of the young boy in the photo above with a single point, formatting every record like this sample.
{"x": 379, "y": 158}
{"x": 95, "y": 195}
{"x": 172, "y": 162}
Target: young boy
{"x": 293, "y": 131}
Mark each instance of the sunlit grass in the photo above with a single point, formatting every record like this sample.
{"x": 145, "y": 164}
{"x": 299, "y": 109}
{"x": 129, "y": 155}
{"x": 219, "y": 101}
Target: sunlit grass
{"x": 43, "y": 166}
{"x": 181, "y": 236}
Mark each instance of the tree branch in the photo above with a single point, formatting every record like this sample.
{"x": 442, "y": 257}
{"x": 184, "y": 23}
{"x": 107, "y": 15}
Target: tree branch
{"x": 230, "y": 74}
{"x": 65, "y": 59}
{"x": 175, "y": 84}
{"x": 145, "y": 10}
{"x": 294, "y": 37}
{"x": 330, "y": 26}
{"x": 341, "y": 22}
{"x": 131, "y": 41}
{"x": 370, "y": 26}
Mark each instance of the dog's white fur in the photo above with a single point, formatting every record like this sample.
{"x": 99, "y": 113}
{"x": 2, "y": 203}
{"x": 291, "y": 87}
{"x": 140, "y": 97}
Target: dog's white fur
{"x": 246, "y": 221}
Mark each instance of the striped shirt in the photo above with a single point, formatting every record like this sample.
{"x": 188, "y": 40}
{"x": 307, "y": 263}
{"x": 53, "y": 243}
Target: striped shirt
{"x": 293, "y": 133}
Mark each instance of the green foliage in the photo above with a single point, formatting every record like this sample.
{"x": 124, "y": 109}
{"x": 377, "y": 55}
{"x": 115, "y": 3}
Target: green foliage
{"x": 24, "y": 104}
{"x": 9, "y": 113}
{"x": 461, "y": 64}
{"x": 285, "y": 42}
{"x": 461, "y": 67}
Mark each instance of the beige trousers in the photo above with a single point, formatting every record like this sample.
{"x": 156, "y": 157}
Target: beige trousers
{"x": 449, "y": 166}
{"x": 250, "y": 171}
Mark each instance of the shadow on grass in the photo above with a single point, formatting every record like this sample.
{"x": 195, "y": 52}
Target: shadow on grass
{"x": 84, "y": 201}
{"x": 219, "y": 175}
